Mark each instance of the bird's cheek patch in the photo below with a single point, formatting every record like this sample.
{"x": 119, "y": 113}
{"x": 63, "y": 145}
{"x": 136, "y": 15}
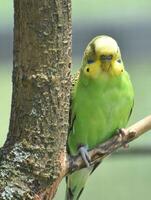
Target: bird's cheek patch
{"x": 92, "y": 70}
{"x": 118, "y": 69}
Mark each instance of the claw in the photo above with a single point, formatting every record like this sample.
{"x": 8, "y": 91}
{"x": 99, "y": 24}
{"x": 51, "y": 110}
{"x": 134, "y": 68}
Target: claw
{"x": 85, "y": 156}
{"x": 126, "y": 146}
{"x": 122, "y": 133}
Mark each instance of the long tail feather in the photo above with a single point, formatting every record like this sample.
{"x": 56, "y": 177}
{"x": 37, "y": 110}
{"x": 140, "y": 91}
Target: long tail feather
{"x": 76, "y": 182}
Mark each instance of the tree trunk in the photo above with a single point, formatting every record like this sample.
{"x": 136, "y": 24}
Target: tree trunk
{"x": 34, "y": 155}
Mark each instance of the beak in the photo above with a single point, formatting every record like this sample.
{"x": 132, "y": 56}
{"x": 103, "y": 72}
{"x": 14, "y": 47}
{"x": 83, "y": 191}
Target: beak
{"x": 106, "y": 58}
{"x": 106, "y": 62}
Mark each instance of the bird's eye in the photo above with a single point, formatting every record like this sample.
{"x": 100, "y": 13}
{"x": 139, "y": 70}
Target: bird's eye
{"x": 119, "y": 61}
{"x": 88, "y": 69}
{"x": 90, "y": 61}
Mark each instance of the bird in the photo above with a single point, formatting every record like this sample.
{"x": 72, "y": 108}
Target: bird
{"x": 102, "y": 99}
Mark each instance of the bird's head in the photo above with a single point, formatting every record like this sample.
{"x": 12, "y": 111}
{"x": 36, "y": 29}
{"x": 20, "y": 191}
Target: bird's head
{"x": 102, "y": 56}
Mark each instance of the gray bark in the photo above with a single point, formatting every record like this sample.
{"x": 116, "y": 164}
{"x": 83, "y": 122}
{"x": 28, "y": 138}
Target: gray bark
{"x": 33, "y": 158}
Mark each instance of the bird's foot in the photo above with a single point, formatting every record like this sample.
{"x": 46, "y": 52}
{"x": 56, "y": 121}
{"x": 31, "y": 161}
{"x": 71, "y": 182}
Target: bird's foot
{"x": 83, "y": 150}
{"x": 122, "y": 133}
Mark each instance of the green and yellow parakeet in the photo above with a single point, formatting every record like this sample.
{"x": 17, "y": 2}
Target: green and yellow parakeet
{"x": 101, "y": 103}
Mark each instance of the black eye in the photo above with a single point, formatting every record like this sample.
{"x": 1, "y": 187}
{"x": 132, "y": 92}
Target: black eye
{"x": 88, "y": 69}
{"x": 90, "y": 61}
{"x": 119, "y": 61}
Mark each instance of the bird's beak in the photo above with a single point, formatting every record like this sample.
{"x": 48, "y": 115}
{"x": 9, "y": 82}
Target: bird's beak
{"x": 106, "y": 62}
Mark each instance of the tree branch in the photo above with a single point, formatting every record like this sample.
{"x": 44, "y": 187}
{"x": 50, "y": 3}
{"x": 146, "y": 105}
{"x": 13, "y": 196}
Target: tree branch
{"x": 103, "y": 150}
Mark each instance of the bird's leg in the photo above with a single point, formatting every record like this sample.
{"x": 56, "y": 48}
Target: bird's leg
{"x": 123, "y": 132}
{"x": 83, "y": 150}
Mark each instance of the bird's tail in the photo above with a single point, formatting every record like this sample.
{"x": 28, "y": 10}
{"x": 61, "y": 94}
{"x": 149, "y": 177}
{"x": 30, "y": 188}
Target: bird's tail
{"x": 75, "y": 183}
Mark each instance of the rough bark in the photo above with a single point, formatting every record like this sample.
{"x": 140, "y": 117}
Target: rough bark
{"x": 34, "y": 155}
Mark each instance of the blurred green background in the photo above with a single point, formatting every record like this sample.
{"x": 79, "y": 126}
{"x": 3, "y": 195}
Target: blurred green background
{"x": 126, "y": 175}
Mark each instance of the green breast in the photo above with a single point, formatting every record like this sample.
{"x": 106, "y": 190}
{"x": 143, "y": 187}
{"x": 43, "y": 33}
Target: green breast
{"x": 100, "y": 107}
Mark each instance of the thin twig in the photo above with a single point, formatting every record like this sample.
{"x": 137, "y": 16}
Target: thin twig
{"x": 103, "y": 150}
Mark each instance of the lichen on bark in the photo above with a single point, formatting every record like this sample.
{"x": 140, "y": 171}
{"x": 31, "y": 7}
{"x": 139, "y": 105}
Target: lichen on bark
{"x": 34, "y": 154}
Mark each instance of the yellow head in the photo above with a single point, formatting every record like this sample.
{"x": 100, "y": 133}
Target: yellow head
{"x": 102, "y": 56}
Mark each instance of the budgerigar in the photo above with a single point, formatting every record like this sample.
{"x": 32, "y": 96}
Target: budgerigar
{"x": 101, "y": 103}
